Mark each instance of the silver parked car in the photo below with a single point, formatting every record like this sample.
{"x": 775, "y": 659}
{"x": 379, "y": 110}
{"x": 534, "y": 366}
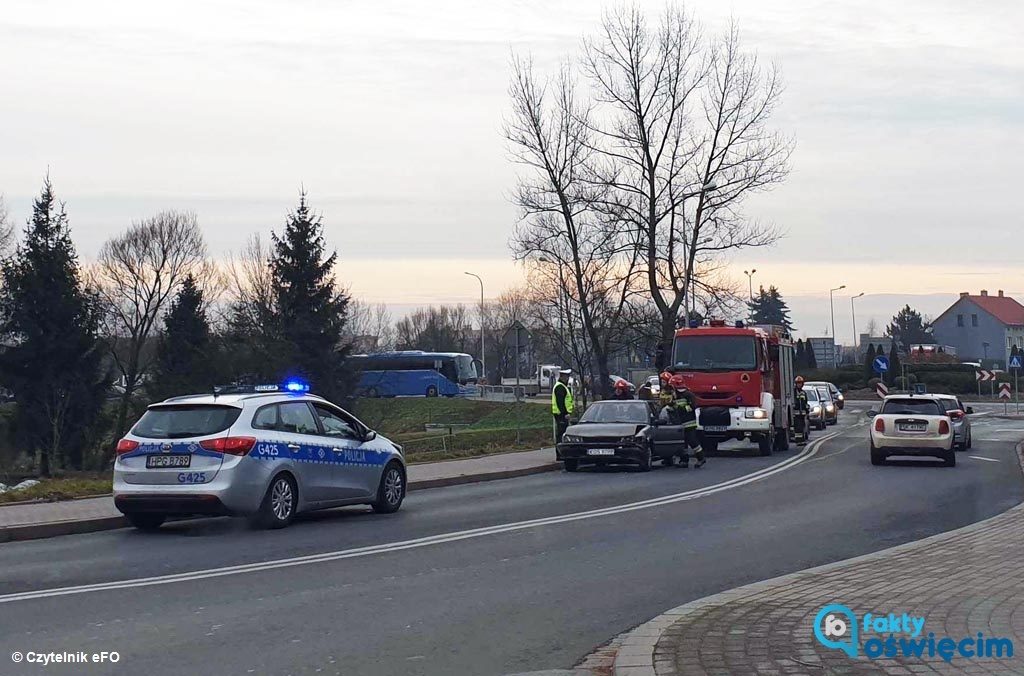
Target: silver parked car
{"x": 837, "y": 395}
{"x": 959, "y": 416}
{"x": 266, "y": 454}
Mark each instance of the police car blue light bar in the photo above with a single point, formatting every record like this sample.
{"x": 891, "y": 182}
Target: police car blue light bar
{"x": 296, "y": 386}
{"x": 292, "y": 386}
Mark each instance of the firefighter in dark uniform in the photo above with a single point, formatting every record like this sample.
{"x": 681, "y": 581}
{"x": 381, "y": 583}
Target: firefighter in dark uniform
{"x": 681, "y": 409}
{"x": 561, "y": 403}
{"x": 802, "y": 410}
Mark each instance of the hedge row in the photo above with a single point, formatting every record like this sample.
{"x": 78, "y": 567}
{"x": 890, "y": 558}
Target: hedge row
{"x": 954, "y": 380}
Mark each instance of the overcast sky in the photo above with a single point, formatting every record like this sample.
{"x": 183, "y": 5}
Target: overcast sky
{"x": 908, "y": 118}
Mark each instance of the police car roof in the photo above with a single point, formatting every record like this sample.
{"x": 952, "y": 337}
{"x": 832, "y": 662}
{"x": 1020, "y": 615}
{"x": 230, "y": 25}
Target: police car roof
{"x": 237, "y": 400}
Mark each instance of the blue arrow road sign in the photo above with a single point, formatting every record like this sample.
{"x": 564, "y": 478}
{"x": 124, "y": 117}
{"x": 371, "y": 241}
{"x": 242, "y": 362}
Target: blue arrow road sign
{"x": 1015, "y": 361}
{"x": 881, "y": 364}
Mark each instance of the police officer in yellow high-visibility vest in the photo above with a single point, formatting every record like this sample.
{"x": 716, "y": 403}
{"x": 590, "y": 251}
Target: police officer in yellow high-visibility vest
{"x": 561, "y": 403}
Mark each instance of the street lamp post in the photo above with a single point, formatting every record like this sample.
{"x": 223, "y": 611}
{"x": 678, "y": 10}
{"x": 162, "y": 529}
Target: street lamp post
{"x": 750, "y": 290}
{"x": 832, "y": 311}
{"x": 853, "y": 316}
{"x": 750, "y": 283}
{"x": 483, "y": 358}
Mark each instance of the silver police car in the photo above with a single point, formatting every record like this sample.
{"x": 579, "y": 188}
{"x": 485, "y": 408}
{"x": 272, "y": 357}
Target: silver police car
{"x": 268, "y": 453}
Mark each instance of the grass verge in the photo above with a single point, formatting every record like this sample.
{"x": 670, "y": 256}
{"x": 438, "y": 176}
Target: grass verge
{"x": 61, "y": 488}
{"x": 485, "y": 428}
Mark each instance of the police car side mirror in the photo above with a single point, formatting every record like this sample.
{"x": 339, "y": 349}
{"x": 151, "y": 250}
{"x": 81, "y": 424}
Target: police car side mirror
{"x": 969, "y": 410}
{"x": 370, "y": 435}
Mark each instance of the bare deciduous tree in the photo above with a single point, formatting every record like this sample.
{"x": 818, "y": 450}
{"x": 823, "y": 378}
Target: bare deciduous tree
{"x": 446, "y": 328}
{"x": 250, "y": 282}
{"x": 679, "y": 138}
{"x": 137, "y": 274}
{"x": 6, "y": 229}
{"x": 549, "y": 133}
{"x": 370, "y": 321}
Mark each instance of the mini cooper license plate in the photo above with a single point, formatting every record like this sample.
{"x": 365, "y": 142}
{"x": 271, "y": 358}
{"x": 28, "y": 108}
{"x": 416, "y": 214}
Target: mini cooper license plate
{"x": 914, "y": 427}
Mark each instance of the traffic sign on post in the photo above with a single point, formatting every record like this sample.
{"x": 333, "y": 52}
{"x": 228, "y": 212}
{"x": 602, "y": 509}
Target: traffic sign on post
{"x": 881, "y": 390}
{"x": 880, "y": 364}
{"x": 982, "y": 374}
{"x": 1004, "y": 390}
{"x": 1015, "y": 361}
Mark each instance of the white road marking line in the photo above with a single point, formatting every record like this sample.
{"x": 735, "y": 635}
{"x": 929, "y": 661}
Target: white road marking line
{"x": 979, "y": 457}
{"x": 808, "y": 452}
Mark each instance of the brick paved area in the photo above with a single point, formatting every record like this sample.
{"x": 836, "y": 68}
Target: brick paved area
{"x": 964, "y": 582}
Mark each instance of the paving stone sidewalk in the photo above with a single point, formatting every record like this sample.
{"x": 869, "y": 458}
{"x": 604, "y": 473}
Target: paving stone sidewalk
{"x": 425, "y": 475}
{"x": 963, "y": 582}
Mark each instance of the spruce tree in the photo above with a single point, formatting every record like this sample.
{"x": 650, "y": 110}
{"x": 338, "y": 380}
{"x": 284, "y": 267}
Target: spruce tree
{"x": 908, "y": 328}
{"x": 53, "y": 361}
{"x": 801, "y": 355}
{"x": 894, "y": 362}
{"x": 869, "y": 360}
{"x": 187, "y": 359}
{"x": 811, "y": 358}
{"x": 309, "y": 310}
{"x": 768, "y": 307}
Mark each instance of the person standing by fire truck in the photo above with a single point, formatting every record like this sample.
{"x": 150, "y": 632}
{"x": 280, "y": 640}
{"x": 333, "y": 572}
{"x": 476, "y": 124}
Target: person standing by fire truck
{"x": 802, "y": 409}
{"x": 681, "y": 409}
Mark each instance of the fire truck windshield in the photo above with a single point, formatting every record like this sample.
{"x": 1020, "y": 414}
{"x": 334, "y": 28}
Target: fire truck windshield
{"x": 715, "y": 353}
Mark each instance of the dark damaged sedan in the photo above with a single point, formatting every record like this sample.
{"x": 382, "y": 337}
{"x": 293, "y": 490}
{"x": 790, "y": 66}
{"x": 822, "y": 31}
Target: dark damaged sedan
{"x": 616, "y": 432}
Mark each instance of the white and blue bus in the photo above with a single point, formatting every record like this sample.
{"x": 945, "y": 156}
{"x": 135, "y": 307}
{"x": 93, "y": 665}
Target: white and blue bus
{"x": 412, "y": 373}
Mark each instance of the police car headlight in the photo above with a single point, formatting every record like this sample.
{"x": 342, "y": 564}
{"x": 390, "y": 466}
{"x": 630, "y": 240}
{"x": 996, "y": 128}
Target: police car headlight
{"x": 571, "y": 438}
{"x": 841, "y": 397}
{"x": 755, "y": 413}
{"x": 830, "y": 408}
{"x": 816, "y": 409}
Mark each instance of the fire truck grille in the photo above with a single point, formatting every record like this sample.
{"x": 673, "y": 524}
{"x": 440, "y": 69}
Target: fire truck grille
{"x": 717, "y": 396}
{"x": 714, "y": 415}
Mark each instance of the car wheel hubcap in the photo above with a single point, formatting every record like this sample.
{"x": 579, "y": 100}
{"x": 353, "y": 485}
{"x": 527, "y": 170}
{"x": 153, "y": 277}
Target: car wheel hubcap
{"x": 393, "y": 486}
{"x": 281, "y": 499}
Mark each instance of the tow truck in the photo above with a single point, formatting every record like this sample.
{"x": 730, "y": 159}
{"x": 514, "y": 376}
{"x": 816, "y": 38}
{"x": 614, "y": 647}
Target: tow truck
{"x": 742, "y": 379}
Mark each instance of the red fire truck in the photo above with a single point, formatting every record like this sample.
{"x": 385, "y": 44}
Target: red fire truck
{"x": 742, "y": 379}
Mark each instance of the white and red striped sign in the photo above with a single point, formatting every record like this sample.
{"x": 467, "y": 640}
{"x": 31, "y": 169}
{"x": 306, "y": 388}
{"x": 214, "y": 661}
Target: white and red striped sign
{"x": 1004, "y": 390}
{"x": 881, "y": 390}
{"x": 984, "y": 375}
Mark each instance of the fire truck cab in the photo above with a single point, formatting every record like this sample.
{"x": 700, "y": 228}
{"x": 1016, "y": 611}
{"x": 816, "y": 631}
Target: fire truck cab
{"x": 742, "y": 379}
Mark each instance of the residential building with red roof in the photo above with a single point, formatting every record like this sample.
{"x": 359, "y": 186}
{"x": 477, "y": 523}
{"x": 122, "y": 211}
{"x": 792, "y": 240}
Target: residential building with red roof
{"x": 982, "y": 327}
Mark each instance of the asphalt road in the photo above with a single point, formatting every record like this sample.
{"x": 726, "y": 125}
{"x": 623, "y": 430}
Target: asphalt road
{"x": 475, "y": 587}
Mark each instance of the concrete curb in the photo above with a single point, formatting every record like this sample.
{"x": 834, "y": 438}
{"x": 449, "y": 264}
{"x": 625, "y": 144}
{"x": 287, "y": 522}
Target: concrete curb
{"x": 37, "y": 531}
{"x": 635, "y": 649}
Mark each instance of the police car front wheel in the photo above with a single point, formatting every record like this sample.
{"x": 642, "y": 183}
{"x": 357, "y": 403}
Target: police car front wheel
{"x": 278, "y": 507}
{"x": 391, "y": 490}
